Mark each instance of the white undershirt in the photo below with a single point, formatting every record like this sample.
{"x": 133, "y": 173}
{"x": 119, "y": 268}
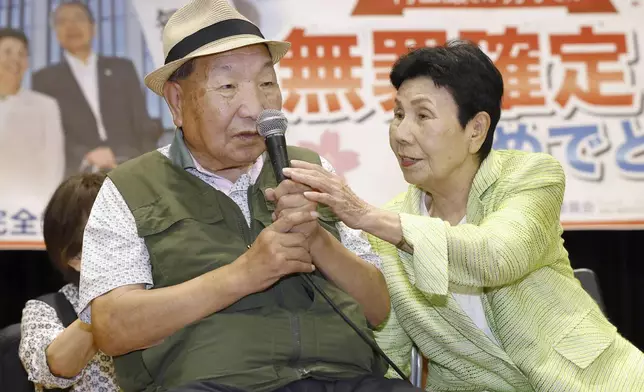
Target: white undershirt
{"x": 472, "y": 304}
{"x": 86, "y": 74}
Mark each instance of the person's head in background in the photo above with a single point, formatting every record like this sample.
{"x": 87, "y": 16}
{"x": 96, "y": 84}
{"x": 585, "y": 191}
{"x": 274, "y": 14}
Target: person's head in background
{"x": 448, "y": 104}
{"x": 14, "y": 60}
{"x": 75, "y": 28}
{"x": 64, "y": 222}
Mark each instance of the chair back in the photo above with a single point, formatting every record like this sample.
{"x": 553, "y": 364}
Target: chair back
{"x": 590, "y": 283}
{"x": 13, "y": 376}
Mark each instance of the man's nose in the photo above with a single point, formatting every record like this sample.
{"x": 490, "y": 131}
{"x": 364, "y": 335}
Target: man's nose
{"x": 252, "y": 104}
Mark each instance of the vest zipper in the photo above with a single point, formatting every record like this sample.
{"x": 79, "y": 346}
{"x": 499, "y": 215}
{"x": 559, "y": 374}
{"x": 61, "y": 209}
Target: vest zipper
{"x": 297, "y": 340}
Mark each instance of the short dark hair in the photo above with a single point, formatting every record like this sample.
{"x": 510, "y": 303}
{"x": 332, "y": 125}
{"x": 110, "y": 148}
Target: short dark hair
{"x": 184, "y": 71}
{"x": 461, "y": 67}
{"x": 77, "y": 3}
{"x": 65, "y": 218}
{"x": 8, "y": 32}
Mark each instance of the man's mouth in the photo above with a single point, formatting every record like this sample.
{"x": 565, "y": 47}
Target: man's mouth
{"x": 246, "y": 135}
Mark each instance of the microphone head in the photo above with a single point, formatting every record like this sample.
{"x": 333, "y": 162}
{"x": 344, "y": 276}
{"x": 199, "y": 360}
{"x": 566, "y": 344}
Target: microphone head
{"x": 271, "y": 122}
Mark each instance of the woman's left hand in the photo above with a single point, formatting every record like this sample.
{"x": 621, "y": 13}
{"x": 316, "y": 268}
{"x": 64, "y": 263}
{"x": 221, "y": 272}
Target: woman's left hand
{"x": 331, "y": 190}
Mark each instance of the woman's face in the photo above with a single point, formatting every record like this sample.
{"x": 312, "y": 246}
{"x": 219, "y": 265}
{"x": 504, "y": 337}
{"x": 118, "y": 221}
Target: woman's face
{"x": 426, "y": 136}
{"x": 75, "y": 263}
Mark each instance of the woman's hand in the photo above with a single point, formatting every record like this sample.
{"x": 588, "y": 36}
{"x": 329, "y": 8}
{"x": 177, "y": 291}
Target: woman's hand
{"x": 329, "y": 189}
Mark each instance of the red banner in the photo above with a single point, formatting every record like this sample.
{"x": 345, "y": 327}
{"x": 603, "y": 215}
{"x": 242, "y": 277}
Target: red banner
{"x": 396, "y": 7}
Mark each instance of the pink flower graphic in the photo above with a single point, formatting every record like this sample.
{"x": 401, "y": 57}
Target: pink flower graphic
{"x": 342, "y": 160}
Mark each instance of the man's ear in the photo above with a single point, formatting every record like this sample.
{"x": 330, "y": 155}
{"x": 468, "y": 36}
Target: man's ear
{"x": 173, "y": 94}
{"x": 478, "y": 129}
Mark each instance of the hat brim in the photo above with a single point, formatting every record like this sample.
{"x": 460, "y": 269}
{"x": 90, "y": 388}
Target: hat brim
{"x": 155, "y": 80}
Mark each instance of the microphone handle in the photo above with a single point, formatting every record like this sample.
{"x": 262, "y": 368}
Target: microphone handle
{"x": 276, "y": 147}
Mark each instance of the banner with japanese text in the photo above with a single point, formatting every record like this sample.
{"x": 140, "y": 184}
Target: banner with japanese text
{"x": 573, "y": 74}
{"x": 572, "y": 70}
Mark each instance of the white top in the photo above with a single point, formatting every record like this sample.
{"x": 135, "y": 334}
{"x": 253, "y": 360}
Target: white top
{"x": 40, "y": 326}
{"x": 32, "y": 155}
{"x": 472, "y": 304}
{"x": 86, "y": 76}
{"x": 115, "y": 256}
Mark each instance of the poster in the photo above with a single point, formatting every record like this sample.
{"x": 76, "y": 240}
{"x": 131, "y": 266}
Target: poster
{"x": 573, "y": 73}
{"x": 71, "y": 101}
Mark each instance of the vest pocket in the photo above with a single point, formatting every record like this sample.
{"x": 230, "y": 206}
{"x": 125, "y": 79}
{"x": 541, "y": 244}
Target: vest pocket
{"x": 586, "y": 340}
{"x": 162, "y": 214}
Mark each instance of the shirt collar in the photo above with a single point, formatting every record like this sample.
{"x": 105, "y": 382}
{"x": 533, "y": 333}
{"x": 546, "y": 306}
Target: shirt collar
{"x": 180, "y": 156}
{"x": 77, "y": 63}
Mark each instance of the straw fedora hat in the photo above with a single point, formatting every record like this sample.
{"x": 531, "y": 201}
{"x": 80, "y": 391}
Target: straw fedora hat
{"x": 202, "y": 28}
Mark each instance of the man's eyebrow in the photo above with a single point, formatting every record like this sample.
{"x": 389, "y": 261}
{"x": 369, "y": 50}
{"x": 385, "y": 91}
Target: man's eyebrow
{"x": 224, "y": 67}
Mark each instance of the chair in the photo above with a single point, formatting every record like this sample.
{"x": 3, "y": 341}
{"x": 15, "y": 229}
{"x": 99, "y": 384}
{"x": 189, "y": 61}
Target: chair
{"x": 416, "y": 367}
{"x": 590, "y": 283}
{"x": 586, "y": 277}
{"x": 13, "y": 376}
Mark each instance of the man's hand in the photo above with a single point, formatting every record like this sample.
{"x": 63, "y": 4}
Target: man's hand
{"x": 102, "y": 158}
{"x": 277, "y": 252}
{"x": 289, "y": 199}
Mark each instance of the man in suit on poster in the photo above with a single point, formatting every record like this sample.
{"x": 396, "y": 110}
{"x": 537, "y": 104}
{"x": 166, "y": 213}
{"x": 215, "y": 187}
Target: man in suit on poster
{"x": 102, "y": 104}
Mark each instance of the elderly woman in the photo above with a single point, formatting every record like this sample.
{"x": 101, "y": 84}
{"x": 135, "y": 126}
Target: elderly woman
{"x": 55, "y": 356}
{"x": 472, "y": 252}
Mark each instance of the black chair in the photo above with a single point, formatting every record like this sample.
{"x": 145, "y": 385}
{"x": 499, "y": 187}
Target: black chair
{"x": 590, "y": 283}
{"x": 13, "y": 376}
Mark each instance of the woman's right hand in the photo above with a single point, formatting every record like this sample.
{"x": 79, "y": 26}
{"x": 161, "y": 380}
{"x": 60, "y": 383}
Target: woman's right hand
{"x": 331, "y": 190}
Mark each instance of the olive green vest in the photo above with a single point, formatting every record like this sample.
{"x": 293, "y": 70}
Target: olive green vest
{"x": 265, "y": 340}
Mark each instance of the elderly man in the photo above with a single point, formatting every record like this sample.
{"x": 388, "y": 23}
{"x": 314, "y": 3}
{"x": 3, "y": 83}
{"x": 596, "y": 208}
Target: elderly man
{"x": 189, "y": 283}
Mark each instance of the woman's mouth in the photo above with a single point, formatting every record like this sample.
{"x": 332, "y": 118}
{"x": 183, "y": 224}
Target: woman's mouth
{"x": 407, "y": 161}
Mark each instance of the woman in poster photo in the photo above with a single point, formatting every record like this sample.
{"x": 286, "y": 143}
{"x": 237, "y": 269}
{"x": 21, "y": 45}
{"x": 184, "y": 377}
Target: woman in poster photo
{"x": 32, "y": 159}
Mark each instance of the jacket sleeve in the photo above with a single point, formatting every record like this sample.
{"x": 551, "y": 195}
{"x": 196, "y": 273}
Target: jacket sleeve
{"x": 390, "y": 335}
{"x": 510, "y": 242}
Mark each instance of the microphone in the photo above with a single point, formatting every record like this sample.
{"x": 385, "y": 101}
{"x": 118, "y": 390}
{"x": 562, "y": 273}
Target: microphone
{"x": 271, "y": 125}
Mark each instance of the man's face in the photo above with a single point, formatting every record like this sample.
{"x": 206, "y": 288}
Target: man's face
{"x": 218, "y": 104}
{"x": 74, "y": 28}
{"x": 14, "y": 59}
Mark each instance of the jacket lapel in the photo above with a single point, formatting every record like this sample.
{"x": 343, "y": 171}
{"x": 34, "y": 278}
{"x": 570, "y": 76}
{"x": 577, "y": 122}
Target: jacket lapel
{"x": 76, "y": 91}
{"x": 105, "y": 84}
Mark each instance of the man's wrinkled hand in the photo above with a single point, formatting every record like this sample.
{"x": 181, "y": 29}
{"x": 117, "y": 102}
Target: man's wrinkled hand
{"x": 289, "y": 199}
{"x": 277, "y": 252}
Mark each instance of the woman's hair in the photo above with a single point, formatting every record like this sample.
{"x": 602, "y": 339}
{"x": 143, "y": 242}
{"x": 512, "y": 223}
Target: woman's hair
{"x": 65, "y": 218}
{"x": 470, "y": 76}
